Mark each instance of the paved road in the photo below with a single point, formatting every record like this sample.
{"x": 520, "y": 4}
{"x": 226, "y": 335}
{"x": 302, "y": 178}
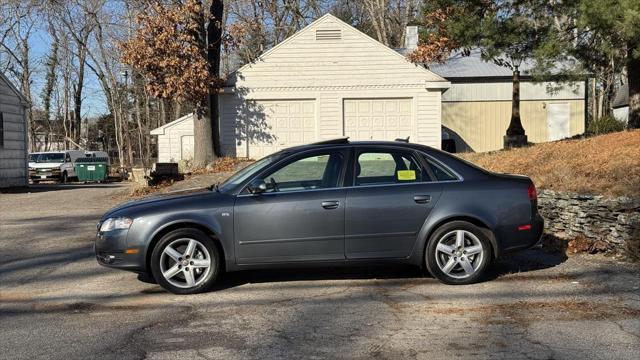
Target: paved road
{"x": 56, "y": 302}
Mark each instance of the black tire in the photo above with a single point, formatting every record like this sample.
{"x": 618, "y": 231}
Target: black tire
{"x": 202, "y": 284}
{"x": 64, "y": 178}
{"x": 457, "y": 275}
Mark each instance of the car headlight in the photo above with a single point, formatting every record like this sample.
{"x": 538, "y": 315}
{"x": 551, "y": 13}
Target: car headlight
{"x": 116, "y": 224}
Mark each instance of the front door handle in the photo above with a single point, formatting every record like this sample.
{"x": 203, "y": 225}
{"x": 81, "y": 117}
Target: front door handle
{"x": 330, "y": 204}
{"x": 422, "y": 199}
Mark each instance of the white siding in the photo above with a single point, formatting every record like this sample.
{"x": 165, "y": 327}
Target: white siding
{"x": 13, "y": 155}
{"x": 353, "y": 60}
{"x": 170, "y": 143}
{"x": 501, "y": 91}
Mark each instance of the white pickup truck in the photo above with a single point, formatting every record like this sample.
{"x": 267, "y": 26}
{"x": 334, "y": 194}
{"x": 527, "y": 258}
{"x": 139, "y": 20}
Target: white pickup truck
{"x": 53, "y": 165}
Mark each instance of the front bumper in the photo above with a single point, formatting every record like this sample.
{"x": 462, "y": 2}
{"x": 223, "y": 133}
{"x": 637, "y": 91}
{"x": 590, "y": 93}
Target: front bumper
{"x": 111, "y": 251}
{"x": 44, "y": 175}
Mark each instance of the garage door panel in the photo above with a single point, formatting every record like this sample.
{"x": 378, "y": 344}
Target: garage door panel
{"x": 378, "y": 119}
{"x": 285, "y": 123}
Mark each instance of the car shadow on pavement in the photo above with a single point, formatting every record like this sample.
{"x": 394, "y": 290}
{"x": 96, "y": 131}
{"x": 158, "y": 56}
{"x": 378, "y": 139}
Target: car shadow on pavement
{"x": 39, "y": 188}
{"x": 525, "y": 261}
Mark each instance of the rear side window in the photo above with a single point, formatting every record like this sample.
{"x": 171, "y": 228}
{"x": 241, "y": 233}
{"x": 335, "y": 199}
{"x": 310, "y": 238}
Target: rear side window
{"x": 386, "y": 167}
{"x": 440, "y": 172}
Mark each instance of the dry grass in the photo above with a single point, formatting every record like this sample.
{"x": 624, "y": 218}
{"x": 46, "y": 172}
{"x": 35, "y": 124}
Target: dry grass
{"x": 607, "y": 164}
{"x": 222, "y": 164}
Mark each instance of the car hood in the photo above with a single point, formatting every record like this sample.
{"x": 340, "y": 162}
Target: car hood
{"x": 164, "y": 199}
{"x": 44, "y": 165}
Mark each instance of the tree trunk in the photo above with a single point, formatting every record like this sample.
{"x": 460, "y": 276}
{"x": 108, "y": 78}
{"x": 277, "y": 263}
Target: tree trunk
{"x": 77, "y": 94}
{"x": 214, "y": 40}
{"x": 633, "y": 79}
{"x": 515, "y": 136}
{"x": 203, "y": 149}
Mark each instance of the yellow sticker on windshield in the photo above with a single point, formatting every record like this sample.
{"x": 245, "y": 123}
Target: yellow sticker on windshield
{"x": 405, "y": 175}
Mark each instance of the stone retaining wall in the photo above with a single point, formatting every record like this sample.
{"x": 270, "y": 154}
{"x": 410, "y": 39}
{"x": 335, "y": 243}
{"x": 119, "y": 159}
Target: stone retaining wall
{"x": 615, "y": 221}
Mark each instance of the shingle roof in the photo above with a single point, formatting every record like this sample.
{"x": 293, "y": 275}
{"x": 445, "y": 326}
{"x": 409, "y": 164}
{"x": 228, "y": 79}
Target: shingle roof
{"x": 622, "y": 96}
{"x": 473, "y": 66}
{"x": 14, "y": 89}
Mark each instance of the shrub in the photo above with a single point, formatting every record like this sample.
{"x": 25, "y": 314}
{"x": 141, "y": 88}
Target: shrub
{"x": 604, "y": 125}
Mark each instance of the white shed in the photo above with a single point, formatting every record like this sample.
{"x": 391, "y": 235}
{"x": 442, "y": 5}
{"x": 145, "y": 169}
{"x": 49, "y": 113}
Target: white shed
{"x": 326, "y": 81}
{"x": 13, "y": 135}
{"x": 175, "y": 140}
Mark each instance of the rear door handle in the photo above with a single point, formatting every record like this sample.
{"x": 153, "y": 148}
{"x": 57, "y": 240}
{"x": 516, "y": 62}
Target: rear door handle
{"x": 422, "y": 199}
{"x": 330, "y": 204}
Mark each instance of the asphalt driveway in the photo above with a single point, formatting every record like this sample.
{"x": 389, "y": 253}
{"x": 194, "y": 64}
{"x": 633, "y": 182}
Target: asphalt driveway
{"x": 57, "y": 302}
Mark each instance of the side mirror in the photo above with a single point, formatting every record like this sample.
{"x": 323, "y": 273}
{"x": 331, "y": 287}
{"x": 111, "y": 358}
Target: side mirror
{"x": 257, "y": 187}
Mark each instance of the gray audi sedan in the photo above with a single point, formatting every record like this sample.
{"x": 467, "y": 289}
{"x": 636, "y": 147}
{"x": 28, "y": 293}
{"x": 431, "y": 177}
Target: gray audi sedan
{"x": 329, "y": 203}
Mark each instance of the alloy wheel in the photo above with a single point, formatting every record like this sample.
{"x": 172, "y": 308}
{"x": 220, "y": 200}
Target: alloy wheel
{"x": 459, "y": 254}
{"x": 185, "y": 263}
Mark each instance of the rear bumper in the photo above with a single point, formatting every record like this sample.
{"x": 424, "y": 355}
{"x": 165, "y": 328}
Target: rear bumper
{"x": 516, "y": 240}
{"x": 110, "y": 249}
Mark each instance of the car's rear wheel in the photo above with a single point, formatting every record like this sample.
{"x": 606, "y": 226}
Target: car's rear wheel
{"x": 458, "y": 253}
{"x": 185, "y": 261}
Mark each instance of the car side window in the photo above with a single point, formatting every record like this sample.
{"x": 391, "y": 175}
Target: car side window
{"x": 386, "y": 167}
{"x": 440, "y": 172}
{"x": 67, "y": 158}
{"x": 319, "y": 171}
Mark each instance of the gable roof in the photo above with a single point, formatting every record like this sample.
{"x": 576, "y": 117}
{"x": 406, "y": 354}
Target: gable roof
{"x": 18, "y": 93}
{"x": 161, "y": 129}
{"x": 421, "y": 70}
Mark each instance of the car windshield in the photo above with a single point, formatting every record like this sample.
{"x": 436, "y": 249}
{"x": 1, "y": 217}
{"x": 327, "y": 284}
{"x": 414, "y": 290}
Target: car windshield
{"x": 244, "y": 174}
{"x": 47, "y": 157}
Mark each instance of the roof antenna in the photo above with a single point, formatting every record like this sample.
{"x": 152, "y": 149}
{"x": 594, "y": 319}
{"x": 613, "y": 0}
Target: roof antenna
{"x": 404, "y": 140}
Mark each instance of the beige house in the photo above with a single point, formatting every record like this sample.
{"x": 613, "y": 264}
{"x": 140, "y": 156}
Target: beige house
{"x": 13, "y": 135}
{"x": 328, "y": 80}
{"x": 476, "y": 109}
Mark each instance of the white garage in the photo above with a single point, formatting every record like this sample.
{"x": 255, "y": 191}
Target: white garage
{"x": 175, "y": 140}
{"x": 326, "y": 81}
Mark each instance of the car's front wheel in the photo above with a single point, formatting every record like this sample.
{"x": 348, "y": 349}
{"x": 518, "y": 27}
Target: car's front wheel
{"x": 458, "y": 253}
{"x": 185, "y": 261}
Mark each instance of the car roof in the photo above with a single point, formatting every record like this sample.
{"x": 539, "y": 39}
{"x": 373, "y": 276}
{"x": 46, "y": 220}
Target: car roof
{"x": 345, "y": 142}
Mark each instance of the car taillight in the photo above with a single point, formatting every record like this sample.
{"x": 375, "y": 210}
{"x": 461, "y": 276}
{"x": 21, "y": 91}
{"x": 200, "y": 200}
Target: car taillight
{"x": 533, "y": 195}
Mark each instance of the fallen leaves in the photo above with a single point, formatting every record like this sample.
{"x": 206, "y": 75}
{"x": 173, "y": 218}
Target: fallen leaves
{"x": 606, "y": 165}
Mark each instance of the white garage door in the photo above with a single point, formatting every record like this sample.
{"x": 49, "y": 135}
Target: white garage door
{"x": 558, "y": 117}
{"x": 378, "y": 119}
{"x": 186, "y": 147}
{"x": 281, "y": 124}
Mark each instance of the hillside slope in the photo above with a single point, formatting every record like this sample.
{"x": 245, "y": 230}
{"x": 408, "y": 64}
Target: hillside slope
{"x": 607, "y": 164}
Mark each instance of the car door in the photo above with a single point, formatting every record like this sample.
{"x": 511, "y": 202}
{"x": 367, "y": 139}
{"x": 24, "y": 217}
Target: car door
{"x": 389, "y": 200}
{"x": 68, "y": 166}
{"x": 299, "y": 217}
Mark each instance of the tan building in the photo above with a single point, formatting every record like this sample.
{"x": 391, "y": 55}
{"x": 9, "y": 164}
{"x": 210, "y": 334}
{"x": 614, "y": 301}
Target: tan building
{"x": 476, "y": 109}
{"x": 13, "y": 135}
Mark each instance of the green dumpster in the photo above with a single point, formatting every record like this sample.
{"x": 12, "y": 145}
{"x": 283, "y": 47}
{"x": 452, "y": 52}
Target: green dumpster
{"x": 92, "y": 169}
